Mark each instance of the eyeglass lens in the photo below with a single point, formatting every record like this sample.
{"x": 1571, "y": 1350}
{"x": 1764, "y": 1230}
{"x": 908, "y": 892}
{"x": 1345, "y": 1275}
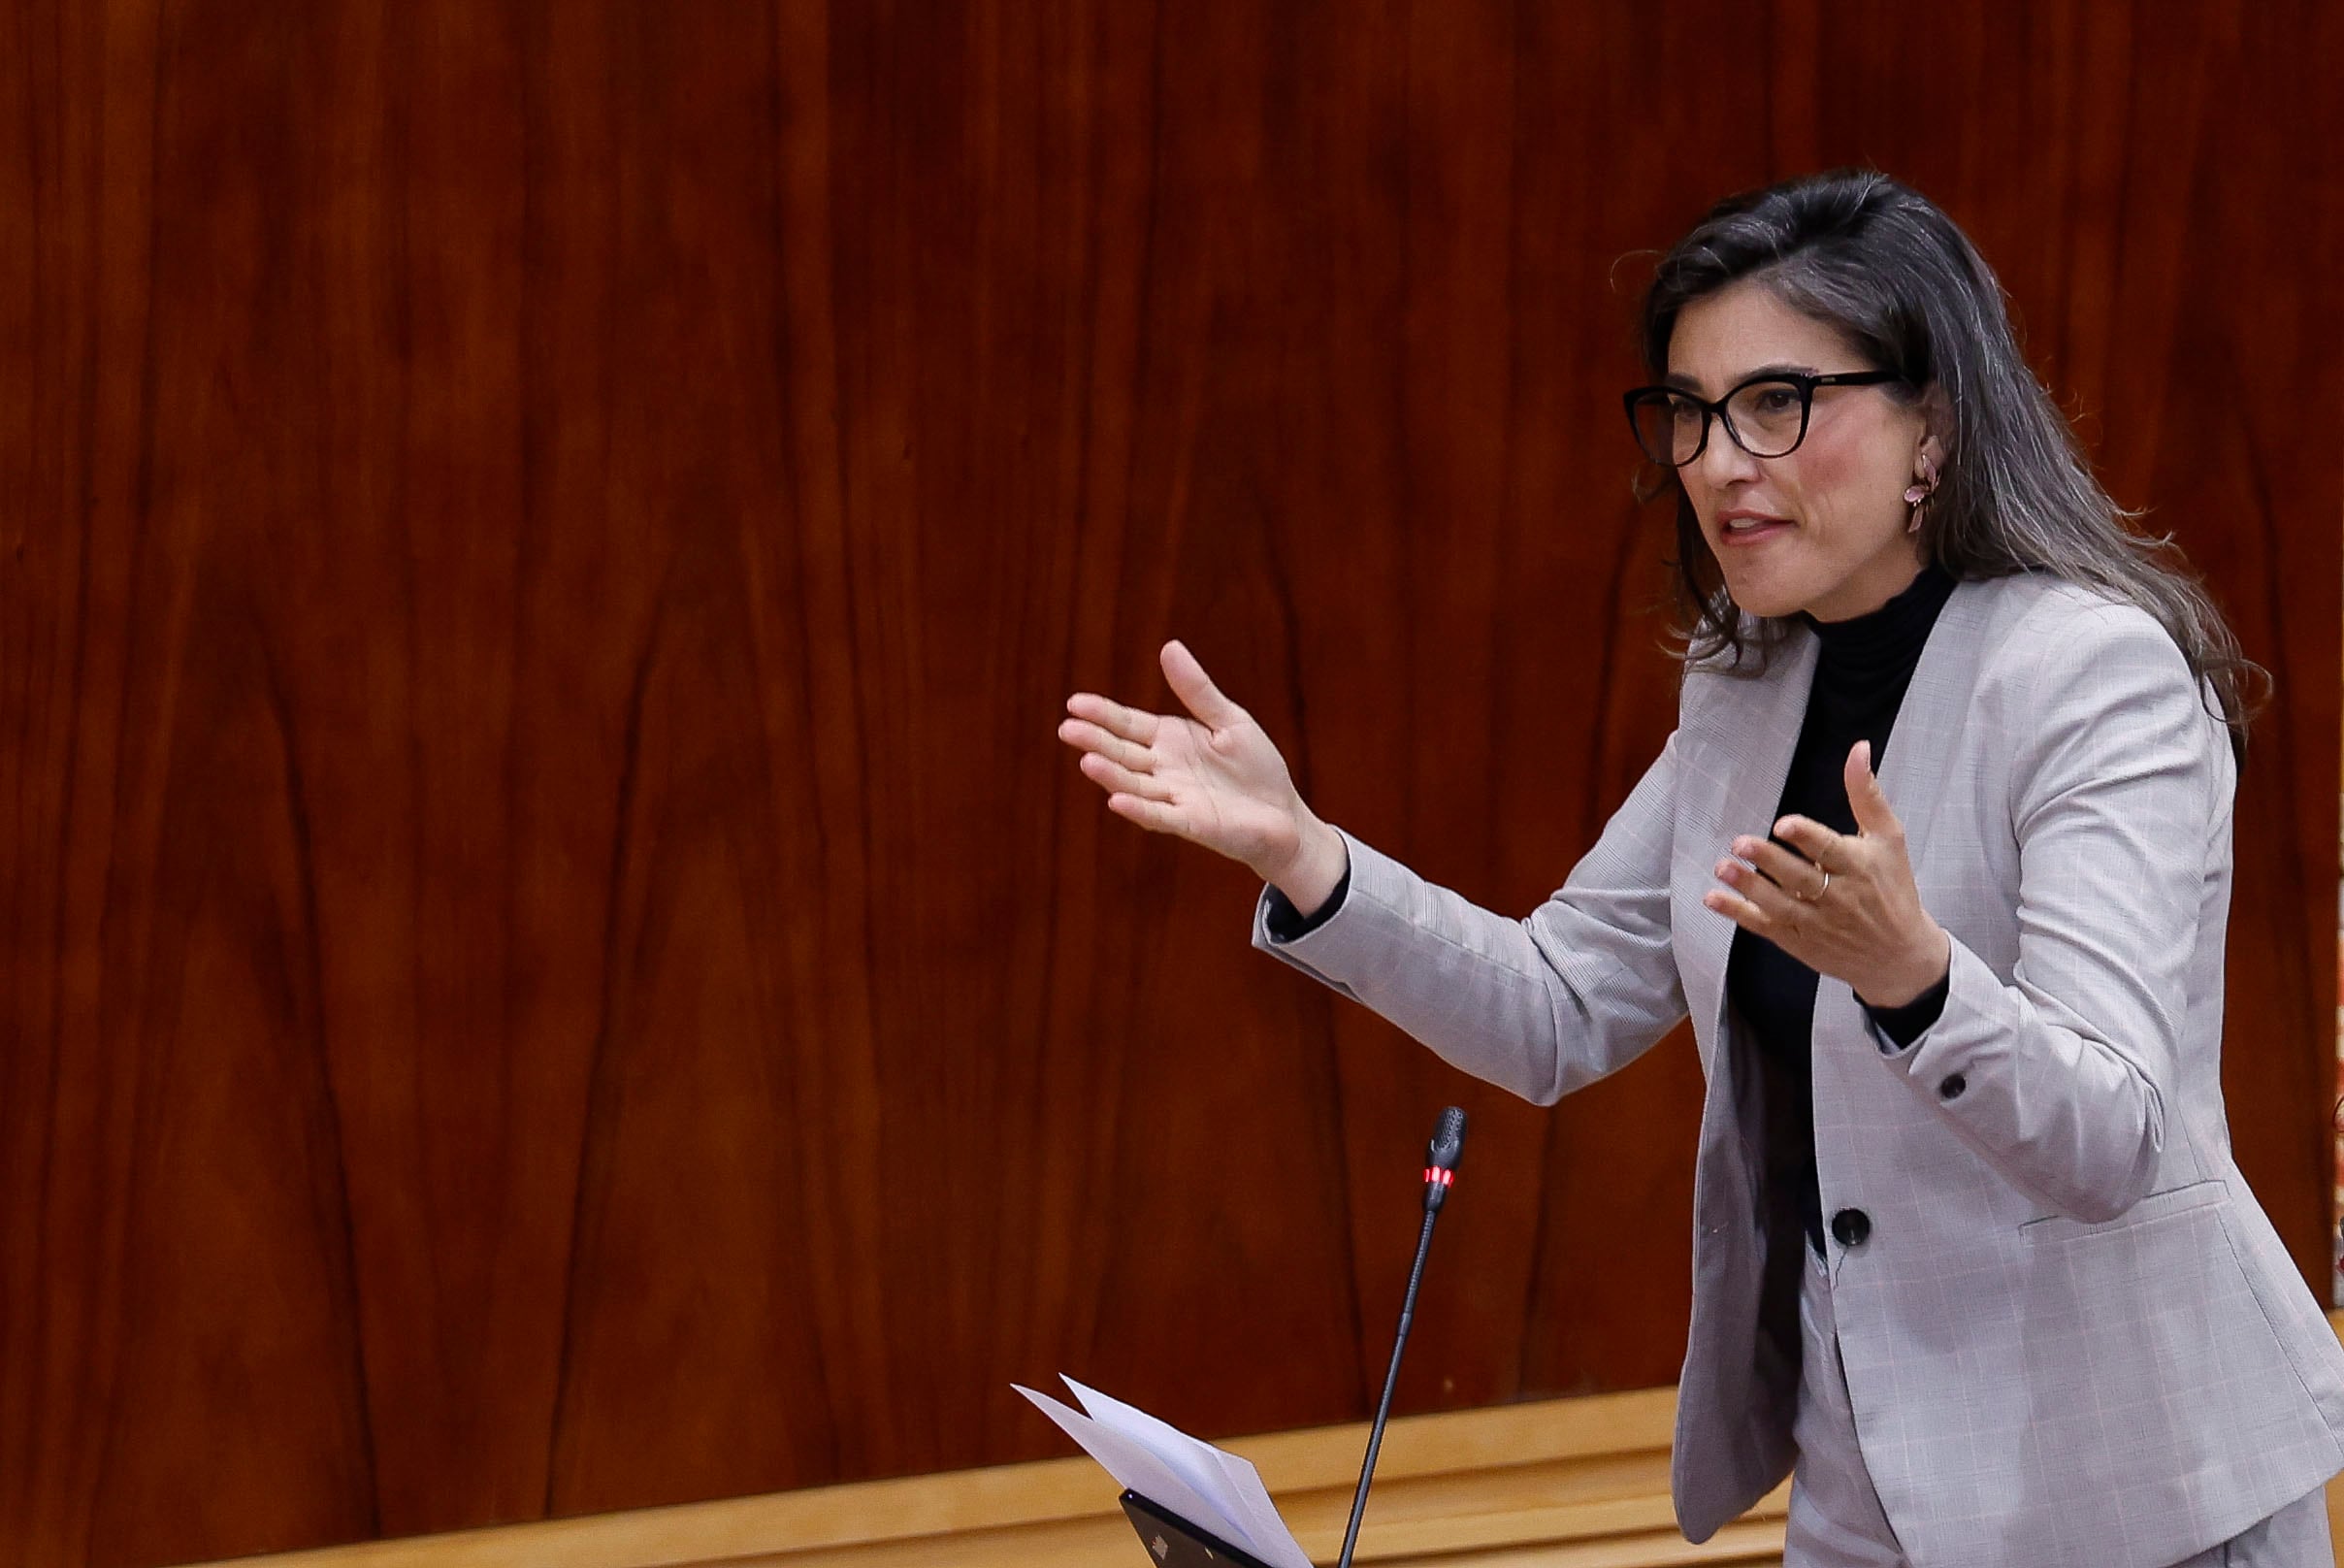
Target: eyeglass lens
{"x": 1768, "y": 420}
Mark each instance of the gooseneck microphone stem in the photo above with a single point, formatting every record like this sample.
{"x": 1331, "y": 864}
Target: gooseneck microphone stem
{"x": 1391, "y": 1379}
{"x": 1440, "y": 1174}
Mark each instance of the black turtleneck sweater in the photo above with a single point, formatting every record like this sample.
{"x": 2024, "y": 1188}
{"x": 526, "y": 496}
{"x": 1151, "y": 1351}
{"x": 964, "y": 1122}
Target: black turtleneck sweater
{"x": 1860, "y": 672}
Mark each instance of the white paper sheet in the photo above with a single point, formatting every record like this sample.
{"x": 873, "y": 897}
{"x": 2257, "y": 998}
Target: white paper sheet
{"x": 1219, "y": 1491}
{"x": 1216, "y": 1472}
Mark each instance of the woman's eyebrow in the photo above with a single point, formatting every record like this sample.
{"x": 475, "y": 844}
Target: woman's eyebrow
{"x": 1689, "y": 383}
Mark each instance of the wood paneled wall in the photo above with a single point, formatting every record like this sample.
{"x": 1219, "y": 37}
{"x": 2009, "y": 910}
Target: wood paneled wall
{"x": 552, "y": 959}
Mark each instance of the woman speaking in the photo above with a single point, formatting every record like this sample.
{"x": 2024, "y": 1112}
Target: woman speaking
{"x": 1938, "y": 861}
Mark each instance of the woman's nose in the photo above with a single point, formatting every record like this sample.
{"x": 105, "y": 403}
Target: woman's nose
{"x": 1723, "y": 460}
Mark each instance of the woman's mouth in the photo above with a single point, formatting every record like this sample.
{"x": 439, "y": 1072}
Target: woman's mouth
{"x": 1738, "y": 528}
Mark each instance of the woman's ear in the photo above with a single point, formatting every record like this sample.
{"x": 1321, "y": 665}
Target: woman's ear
{"x": 1929, "y": 461}
{"x": 1929, "y": 464}
{"x": 1936, "y": 426}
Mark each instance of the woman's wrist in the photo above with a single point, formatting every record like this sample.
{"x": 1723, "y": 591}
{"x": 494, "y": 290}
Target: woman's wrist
{"x": 1930, "y": 962}
{"x": 1309, "y": 876}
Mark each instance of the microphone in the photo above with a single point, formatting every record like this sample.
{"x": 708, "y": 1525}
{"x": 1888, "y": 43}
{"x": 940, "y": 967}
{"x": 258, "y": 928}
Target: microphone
{"x": 1440, "y": 1174}
{"x": 1441, "y": 1157}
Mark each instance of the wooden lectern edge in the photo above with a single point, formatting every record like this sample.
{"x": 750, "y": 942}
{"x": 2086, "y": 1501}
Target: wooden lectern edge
{"x": 1417, "y": 1448}
{"x": 999, "y": 1496}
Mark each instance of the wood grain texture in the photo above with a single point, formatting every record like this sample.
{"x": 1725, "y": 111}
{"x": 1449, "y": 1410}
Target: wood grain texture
{"x": 552, "y": 962}
{"x": 1570, "y": 1481}
{"x": 1581, "y": 1481}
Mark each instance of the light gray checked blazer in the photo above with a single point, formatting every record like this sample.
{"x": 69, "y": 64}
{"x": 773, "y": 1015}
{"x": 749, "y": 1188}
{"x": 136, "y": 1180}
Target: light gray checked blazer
{"x": 2071, "y": 1336}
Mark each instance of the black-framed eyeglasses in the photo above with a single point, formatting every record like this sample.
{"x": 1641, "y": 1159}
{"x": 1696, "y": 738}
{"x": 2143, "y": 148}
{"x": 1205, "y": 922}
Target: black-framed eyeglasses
{"x": 1765, "y": 415}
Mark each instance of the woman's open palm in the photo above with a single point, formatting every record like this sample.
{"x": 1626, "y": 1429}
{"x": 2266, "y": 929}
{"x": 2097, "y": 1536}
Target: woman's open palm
{"x": 1212, "y": 778}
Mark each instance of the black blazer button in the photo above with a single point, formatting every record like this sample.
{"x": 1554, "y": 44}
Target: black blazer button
{"x": 1952, "y": 1086}
{"x": 1849, "y": 1227}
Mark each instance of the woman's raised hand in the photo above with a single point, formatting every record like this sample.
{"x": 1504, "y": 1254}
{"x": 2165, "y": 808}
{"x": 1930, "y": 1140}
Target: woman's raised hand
{"x": 1843, "y": 905}
{"x": 1212, "y": 778}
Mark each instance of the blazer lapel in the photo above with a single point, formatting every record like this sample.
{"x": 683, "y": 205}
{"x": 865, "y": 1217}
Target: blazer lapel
{"x": 1914, "y": 774}
{"x": 1739, "y": 757}
{"x": 1742, "y": 745}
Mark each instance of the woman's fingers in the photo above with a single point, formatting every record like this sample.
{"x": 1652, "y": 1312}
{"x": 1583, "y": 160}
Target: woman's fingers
{"x": 1794, "y": 874}
{"x": 1769, "y": 900}
{"x": 1103, "y": 771}
{"x": 1736, "y": 908}
{"x": 1208, "y": 774}
{"x": 1084, "y": 735}
{"x": 1154, "y": 815}
{"x": 1875, "y": 817}
{"x": 1815, "y": 841}
{"x": 1195, "y": 689}
{"x": 1130, "y": 722}
{"x": 1866, "y": 925}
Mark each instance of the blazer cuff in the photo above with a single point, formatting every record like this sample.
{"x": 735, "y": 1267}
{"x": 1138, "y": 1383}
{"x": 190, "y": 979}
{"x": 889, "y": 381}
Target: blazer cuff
{"x": 1904, "y": 1026}
{"x": 1350, "y": 932}
{"x": 1970, "y": 991}
{"x": 1285, "y": 923}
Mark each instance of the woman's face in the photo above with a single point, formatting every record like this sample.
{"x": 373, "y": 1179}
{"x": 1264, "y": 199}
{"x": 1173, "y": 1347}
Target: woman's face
{"x": 1823, "y": 528}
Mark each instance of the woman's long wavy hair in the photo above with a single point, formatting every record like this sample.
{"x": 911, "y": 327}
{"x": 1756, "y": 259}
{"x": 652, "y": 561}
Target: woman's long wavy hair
{"x": 1880, "y": 262}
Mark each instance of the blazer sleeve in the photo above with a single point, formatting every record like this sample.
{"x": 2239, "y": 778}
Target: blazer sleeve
{"x": 2121, "y": 782}
{"x": 1541, "y": 1005}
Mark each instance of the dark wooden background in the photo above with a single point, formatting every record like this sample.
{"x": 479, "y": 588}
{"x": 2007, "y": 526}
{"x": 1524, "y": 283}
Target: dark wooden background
{"x": 552, "y": 961}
